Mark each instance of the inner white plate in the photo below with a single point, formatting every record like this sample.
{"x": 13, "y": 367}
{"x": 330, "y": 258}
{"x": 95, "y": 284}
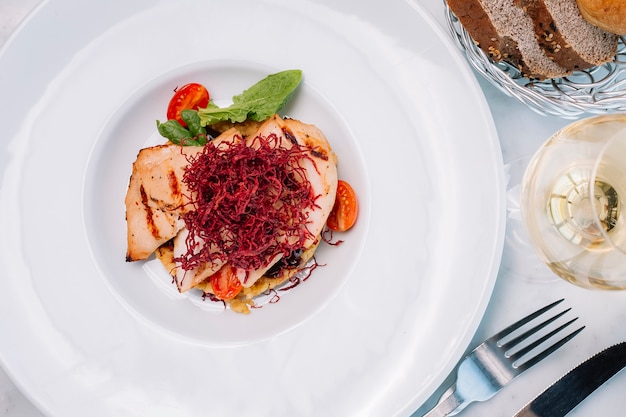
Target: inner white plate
{"x": 146, "y": 288}
{"x": 414, "y": 137}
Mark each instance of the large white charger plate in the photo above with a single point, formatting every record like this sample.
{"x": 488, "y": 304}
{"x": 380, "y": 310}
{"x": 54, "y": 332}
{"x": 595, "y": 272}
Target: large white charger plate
{"x": 373, "y": 332}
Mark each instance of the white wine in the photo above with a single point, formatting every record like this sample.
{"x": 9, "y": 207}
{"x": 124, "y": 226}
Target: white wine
{"x": 581, "y": 214}
{"x": 573, "y": 193}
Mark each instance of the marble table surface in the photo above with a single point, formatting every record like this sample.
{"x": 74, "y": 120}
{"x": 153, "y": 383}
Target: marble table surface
{"x": 12, "y": 401}
{"x": 521, "y": 131}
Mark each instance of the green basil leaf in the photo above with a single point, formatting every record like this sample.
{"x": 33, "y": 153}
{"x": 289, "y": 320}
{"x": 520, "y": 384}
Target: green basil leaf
{"x": 192, "y": 120}
{"x": 199, "y": 140}
{"x": 173, "y": 131}
{"x": 179, "y": 135}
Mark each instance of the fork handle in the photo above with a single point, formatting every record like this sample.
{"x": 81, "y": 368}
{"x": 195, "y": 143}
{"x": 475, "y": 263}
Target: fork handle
{"x": 449, "y": 404}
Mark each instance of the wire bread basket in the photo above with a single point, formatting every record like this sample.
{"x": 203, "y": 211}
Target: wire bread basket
{"x": 598, "y": 90}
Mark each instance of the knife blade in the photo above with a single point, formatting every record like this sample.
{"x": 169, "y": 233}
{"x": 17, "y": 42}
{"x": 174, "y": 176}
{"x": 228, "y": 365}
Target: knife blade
{"x": 569, "y": 391}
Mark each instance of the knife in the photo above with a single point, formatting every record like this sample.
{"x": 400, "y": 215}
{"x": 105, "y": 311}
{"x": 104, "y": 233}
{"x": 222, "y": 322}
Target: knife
{"x": 569, "y": 391}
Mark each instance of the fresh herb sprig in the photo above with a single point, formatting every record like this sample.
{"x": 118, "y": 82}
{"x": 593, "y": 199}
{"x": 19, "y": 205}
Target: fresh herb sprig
{"x": 192, "y": 135}
{"x": 262, "y": 100}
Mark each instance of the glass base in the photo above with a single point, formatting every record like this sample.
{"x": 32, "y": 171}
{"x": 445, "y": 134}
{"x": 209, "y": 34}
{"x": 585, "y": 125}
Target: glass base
{"x": 519, "y": 257}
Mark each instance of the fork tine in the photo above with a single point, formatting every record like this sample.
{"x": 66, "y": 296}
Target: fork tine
{"x": 517, "y": 340}
{"x": 549, "y": 350}
{"x": 508, "y": 330}
{"x": 539, "y": 341}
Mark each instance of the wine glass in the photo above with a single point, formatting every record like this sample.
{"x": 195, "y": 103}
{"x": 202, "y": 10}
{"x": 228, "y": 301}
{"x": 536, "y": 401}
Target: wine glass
{"x": 572, "y": 199}
{"x": 519, "y": 257}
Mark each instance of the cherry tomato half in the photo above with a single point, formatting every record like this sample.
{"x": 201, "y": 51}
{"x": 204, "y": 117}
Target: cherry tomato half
{"x": 225, "y": 283}
{"x": 189, "y": 96}
{"x": 346, "y": 208}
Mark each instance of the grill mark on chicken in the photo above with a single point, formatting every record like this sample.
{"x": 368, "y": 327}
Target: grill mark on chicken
{"x": 174, "y": 187}
{"x": 154, "y": 230}
{"x": 320, "y": 155}
{"x": 289, "y": 135}
{"x": 312, "y": 144}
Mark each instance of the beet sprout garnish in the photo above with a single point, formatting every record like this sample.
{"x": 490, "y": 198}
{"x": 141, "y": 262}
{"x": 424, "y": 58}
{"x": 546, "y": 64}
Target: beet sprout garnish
{"x": 275, "y": 298}
{"x": 302, "y": 275}
{"x": 327, "y": 236}
{"x": 294, "y": 280}
{"x": 310, "y": 268}
{"x": 250, "y": 203}
{"x": 213, "y": 298}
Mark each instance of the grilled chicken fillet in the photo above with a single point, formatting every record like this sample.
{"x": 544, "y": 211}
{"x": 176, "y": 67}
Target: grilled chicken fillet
{"x": 157, "y": 198}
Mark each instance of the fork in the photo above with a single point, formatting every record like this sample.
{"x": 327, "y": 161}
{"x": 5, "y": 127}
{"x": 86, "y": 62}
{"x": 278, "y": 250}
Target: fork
{"x": 491, "y": 366}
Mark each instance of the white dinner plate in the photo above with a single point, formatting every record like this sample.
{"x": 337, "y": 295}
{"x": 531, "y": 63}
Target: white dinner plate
{"x": 373, "y": 330}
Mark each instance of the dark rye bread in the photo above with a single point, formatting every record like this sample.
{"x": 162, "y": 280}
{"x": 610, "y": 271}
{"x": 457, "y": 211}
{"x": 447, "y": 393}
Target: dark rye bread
{"x": 505, "y": 33}
{"x": 542, "y": 38}
{"x": 566, "y": 37}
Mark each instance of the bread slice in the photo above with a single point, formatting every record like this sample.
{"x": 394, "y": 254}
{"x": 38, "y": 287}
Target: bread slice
{"x": 541, "y": 38}
{"x": 566, "y": 37}
{"x": 506, "y": 33}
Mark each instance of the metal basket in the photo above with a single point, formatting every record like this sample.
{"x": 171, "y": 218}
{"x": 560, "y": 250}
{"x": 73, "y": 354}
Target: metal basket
{"x": 601, "y": 89}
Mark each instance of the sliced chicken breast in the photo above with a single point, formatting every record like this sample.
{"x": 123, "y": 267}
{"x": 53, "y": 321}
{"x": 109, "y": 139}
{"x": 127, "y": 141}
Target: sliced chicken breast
{"x": 320, "y": 170}
{"x": 186, "y": 280}
{"x": 157, "y": 198}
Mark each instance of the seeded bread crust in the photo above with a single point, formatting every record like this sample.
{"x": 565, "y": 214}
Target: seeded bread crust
{"x": 512, "y": 25}
{"x": 471, "y": 14}
{"x": 550, "y": 38}
{"x": 542, "y": 38}
{"x": 566, "y": 37}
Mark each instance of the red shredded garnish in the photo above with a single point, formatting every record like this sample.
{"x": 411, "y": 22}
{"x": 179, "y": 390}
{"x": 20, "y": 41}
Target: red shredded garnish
{"x": 249, "y": 202}
{"x": 327, "y": 236}
{"x": 212, "y": 297}
{"x": 275, "y": 298}
{"x": 302, "y": 275}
